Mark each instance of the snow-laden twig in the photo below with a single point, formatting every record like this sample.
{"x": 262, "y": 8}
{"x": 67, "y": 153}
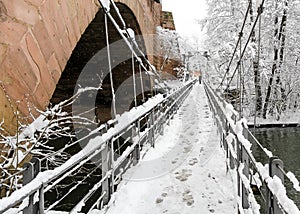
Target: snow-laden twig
{"x": 294, "y": 180}
{"x": 32, "y": 139}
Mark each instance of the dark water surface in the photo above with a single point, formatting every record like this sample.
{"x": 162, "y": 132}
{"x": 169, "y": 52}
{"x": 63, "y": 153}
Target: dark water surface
{"x": 285, "y": 144}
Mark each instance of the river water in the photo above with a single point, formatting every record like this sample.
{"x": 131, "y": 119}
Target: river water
{"x": 285, "y": 144}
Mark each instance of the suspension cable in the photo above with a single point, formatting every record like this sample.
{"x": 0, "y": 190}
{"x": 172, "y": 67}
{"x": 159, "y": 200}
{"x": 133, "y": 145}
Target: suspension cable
{"x": 248, "y": 40}
{"x": 237, "y": 44}
{"x": 118, "y": 14}
{"x": 110, "y": 69}
{"x": 129, "y": 44}
{"x": 134, "y": 44}
{"x": 142, "y": 84}
{"x": 133, "y": 76}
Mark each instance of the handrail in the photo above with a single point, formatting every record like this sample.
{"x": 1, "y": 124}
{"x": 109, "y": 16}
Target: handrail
{"x": 104, "y": 144}
{"x": 241, "y": 161}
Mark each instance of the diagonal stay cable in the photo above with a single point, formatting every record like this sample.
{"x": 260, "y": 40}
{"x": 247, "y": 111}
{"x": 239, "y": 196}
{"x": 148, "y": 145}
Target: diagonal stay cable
{"x": 119, "y": 15}
{"x": 237, "y": 43}
{"x": 246, "y": 45}
{"x": 128, "y": 41}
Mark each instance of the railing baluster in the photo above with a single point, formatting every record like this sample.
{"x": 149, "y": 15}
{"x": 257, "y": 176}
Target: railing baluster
{"x": 151, "y": 132}
{"x": 106, "y": 166}
{"x": 162, "y": 119}
{"x": 28, "y": 176}
{"x": 245, "y": 193}
{"x": 274, "y": 164}
{"x": 33, "y": 168}
{"x": 111, "y": 160}
{"x": 136, "y": 152}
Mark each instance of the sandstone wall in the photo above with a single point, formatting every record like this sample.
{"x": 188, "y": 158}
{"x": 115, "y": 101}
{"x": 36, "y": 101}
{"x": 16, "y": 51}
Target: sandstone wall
{"x": 37, "y": 38}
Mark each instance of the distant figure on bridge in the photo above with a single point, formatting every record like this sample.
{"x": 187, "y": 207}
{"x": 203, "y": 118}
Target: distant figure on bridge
{"x": 200, "y": 77}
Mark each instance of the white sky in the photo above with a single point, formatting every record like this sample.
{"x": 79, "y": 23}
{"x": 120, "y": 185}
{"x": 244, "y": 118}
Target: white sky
{"x": 185, "y": 13}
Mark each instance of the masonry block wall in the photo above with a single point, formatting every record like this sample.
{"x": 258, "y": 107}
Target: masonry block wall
{"x": 148, "y": 14}
{"x": 37, "y": 38}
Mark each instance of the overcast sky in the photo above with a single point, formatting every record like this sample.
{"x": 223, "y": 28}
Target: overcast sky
{"x": 185, "y": 13}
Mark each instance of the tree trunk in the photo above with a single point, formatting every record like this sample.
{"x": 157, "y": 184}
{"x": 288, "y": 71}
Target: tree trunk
{"x": 279, "y": 37}
{"x": 257, "y": 82}
{"x": 281, "y": 57}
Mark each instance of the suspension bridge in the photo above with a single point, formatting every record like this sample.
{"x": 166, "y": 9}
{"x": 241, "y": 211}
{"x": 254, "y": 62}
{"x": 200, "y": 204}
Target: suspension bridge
{"x": 185, "y": 149}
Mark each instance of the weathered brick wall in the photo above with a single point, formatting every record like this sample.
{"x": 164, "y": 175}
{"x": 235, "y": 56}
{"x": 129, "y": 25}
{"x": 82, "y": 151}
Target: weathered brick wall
{"x": 37, "y": 38}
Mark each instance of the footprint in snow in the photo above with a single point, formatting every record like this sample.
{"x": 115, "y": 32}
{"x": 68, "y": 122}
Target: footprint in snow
{"x": 187, "y": 149}
{"x": 193, "y": 161}
{"x": 201, "y": 149}
{"x": 164, "y": 194}
{"x": 191, "y": 133}
{"x": 188, "y": 197}
{"x": 183, "y": 175}
{"x": 159, "y": 200}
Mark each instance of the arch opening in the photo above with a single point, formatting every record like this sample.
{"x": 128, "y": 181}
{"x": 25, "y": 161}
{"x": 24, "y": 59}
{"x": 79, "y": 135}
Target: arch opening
{"x": 92, "y": 41}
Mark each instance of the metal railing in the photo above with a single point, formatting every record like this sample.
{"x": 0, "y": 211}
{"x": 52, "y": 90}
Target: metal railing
{"x": 260, "y": 188}
{"x": 113, "y": 151}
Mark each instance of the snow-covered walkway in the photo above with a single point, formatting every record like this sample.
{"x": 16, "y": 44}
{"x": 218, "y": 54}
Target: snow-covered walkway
{"x": 185, "y": 173}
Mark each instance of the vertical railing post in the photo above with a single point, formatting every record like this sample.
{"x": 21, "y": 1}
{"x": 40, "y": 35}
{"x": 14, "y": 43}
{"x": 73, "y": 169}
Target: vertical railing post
{"x": 28, "y": 176}
{"x": 37, "y": 170}
{"x": 172, "y": 110}
{"x": 136, "y": 132}
{"x": 41, "y": 200}
{"x": 151, "y": 132}
{"x": 168, "y": 111}
{"x": 106, "y": 166}
{"x": 231, "y": 160}
{"x": 239, "y": 161}
{"x": 33, "y": 168}
{"x": 111, "y": 166}
{"x": 162, "y": 120}
{"x": 274, "y": 164}
{"x": 245, "y": 161}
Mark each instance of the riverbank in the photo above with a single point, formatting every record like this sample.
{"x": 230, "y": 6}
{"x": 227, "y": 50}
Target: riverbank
{"x": 291, "y": 119}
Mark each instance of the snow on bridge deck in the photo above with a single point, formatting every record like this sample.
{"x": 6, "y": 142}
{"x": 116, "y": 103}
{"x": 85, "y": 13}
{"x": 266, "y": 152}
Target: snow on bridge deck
{"x": 185, "y": 173}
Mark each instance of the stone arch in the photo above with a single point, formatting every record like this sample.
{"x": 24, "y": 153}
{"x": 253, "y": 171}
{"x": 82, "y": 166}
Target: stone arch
{"x": 91, "y": 42}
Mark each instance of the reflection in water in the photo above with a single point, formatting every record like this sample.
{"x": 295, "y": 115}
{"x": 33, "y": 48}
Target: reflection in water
{"x": 285, "y": 144}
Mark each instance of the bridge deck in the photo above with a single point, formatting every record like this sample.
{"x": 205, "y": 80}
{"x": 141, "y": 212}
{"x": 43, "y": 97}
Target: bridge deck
{"x": 184, "y": 173}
